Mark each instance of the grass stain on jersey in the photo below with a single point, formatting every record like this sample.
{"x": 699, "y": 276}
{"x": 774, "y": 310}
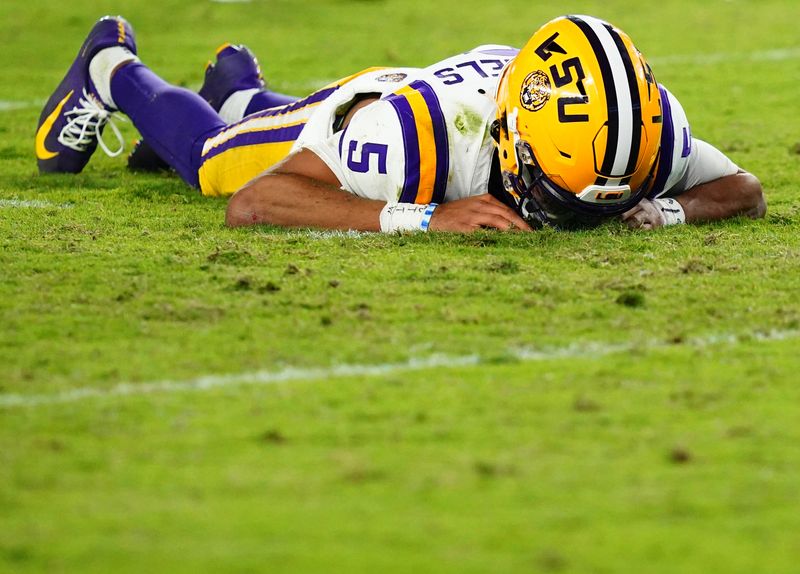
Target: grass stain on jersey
{"x": 468, "y": 122}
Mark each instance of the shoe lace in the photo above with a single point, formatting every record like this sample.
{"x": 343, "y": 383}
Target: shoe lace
{"x": 86, "y": 125}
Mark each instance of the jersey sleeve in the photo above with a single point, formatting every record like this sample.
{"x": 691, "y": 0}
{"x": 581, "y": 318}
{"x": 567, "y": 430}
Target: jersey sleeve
{"x": 368, "y": 156}
{"x": 685, "y": 162}
{"x": 706, "y": 163}
{"x": 396, "y": 149}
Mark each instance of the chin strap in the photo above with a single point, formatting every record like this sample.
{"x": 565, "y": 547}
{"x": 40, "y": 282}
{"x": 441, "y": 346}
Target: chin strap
{"x": 85, "y": 126}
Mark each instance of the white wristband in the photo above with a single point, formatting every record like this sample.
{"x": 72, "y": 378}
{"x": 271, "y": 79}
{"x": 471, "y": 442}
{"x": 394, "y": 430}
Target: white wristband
{"x": 671, "y": 210}
{"x": 406, "y": 217}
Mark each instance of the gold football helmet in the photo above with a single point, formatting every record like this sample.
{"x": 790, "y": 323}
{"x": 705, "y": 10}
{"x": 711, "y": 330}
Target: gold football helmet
{"x": 578, "y": 124}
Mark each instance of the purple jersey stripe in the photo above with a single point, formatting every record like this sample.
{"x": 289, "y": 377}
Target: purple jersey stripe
{"x": 439, "y": 137}
{"x": 275, "y": 135}
{"x": 667, "y": 145}
{"x": 314, "y": 98}
{"x": 499, "y": 52}
{"x": 411, "y": 146}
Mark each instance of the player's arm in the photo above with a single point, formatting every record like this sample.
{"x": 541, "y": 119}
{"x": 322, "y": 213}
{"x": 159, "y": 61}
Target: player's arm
{"x": 725, "y": 197}
{"x": 713, "y": 188}
{"x": 308, "y": 188}
{"x": 729, "y": 196}
{"x": 302, "y": 191}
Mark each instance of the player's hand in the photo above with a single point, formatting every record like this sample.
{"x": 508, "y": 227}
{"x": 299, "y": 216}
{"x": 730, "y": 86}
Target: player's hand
{"x": 644, "y": 215}
{"x": 477, "y": 212}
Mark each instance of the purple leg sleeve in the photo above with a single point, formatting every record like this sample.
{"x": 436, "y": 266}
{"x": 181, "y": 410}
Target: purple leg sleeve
{"x": 174, "y": 121}
{"x": 265, "y": 100}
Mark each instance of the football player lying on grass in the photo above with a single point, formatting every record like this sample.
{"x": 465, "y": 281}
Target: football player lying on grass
{"x": 569, "y": 131}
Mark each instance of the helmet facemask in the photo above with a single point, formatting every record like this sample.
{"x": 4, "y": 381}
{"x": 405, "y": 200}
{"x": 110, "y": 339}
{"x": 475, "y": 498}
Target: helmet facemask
{"x": 542, "y": 203}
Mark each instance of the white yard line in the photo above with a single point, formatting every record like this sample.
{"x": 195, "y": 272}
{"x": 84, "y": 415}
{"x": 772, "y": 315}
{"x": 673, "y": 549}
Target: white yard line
{"x": 32, "y": 203}
{"x": 13, "y": 105}
{"x": 335, "y": 234}
{"x": 295, "y": 374}
{"x": 776, "y": 55}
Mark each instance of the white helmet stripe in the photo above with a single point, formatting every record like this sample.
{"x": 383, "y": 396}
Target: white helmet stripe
{"x": 623, "y": 92}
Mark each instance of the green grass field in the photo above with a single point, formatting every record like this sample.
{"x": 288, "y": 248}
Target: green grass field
{"x": 176, "y": 396}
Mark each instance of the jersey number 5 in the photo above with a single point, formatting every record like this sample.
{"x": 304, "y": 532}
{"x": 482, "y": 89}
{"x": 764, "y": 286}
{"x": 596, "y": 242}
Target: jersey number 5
{"x": 362, "y": 165}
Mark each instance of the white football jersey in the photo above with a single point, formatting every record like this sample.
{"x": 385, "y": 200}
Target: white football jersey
{"x": 425, "y": 141}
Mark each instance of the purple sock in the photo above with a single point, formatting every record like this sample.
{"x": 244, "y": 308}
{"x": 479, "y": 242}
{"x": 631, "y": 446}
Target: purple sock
{"x": 174, "y": 121}
{"x": 265, "y": 100}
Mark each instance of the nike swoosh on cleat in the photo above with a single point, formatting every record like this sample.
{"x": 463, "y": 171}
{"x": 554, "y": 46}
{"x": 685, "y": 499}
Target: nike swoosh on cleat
{"x": 44, "y": 130}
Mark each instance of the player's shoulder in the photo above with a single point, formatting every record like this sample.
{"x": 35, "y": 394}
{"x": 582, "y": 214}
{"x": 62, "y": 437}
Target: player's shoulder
{"x": 401, "y": 140}
{"x": 435, "y": 127}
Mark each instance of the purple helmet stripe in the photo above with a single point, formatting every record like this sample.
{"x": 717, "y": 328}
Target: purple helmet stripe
{"x": 439, "y": 137}
{"x": 667, "y": 145}
{"x": 411, "y": 145}
{"x": 275, "y": 135}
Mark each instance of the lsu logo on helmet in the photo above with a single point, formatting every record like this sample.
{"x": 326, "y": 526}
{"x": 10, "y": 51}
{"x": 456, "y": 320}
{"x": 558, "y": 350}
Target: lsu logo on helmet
{"x": 535, "y": 91}
{"x": 578, "y": 122}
